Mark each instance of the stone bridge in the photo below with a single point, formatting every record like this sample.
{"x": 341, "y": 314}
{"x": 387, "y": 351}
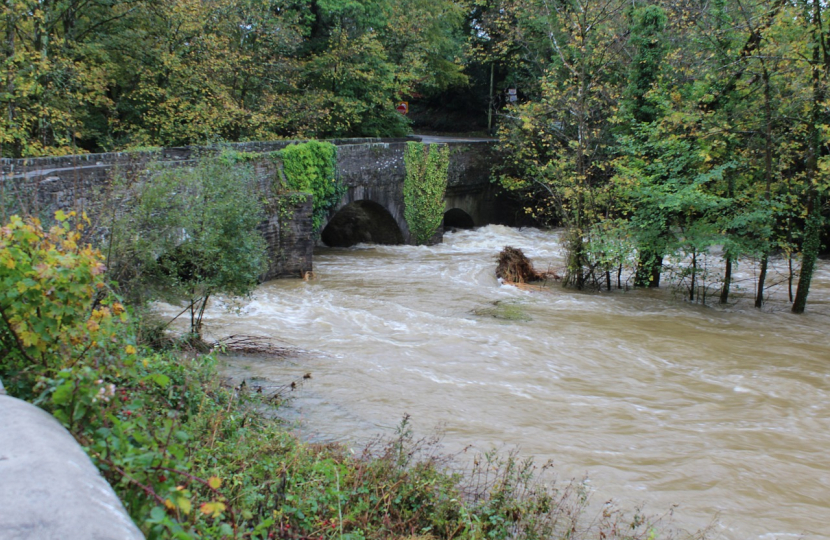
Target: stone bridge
{"x": 372, "y": 210}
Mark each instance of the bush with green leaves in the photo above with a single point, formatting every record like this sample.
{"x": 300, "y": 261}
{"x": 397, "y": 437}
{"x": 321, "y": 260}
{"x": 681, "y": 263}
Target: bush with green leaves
{"x": 424, "y": 187}
{"x": 311, "y": 167}
{"x": 68, "y": 345}
{"x": 55, "y": 306}
{"x": 191, "y": 233}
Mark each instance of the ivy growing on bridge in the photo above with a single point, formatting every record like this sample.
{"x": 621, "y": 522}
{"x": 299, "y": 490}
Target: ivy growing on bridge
{"x": 424, "y": 187}
{"x": 311, "y": 167}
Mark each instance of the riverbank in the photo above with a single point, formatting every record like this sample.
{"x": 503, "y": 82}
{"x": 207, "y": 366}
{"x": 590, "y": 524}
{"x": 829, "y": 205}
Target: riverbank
{"x": 264, "y": 482}
{"x": 193, "y": 457}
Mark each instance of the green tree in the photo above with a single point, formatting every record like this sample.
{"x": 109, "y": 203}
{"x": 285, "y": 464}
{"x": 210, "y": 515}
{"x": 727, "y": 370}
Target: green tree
{"x": 558, "y": 143}
{"x": 647, "y": 40}
{"x": 192, "y": 234}
{"x": 81, "y": 75}
{"x": 53, "y": 78}
{"x": 816, "y": 150}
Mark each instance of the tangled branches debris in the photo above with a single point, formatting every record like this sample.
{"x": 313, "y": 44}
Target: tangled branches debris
{"x": 514, "y": 267}
{"x": 245, "y": 344}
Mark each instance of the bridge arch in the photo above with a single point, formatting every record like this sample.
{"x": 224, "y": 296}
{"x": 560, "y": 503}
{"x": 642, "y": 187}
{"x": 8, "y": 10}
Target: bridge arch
{"x": 456, "y": 218}
{"x": 362, "y": 221}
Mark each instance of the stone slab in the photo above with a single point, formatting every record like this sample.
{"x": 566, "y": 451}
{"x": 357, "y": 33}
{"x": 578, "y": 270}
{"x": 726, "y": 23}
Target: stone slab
{"x": 49, "y": 488}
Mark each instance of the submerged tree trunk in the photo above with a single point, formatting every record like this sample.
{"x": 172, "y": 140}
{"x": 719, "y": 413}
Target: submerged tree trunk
{"x": 812, "y": 242}
{"x": 790, "y": 277}
{"x": 576, "y": 259}
{"x": 727, "y": 280}
{"x": 759, "y": 293}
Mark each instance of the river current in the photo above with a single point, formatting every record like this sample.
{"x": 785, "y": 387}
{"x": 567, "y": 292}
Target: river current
{"x": 722, "y": 411}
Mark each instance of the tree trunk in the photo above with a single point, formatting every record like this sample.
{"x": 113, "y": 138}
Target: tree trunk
{"x": 790, "y": 277}
{"x": 694, "y": 277}
{"x": 812, "y": 232}
{"x": 192, "y": 316}
{"x": 649, "y": 268}
{"x": 759, "y": 296}
{"x": 727, "y": 280}
{"x": 576, "y": 258}
{"x": 809, "y": 250}
{"x": 656, "y": 270}
{"x": 762, "y": 277}
{"x": 490, "y": 101}
{"x": 200, "y": 317}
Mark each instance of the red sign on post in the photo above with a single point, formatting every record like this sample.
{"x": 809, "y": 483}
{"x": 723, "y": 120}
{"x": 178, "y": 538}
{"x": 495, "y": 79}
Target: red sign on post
{"x": 403, "y": 107}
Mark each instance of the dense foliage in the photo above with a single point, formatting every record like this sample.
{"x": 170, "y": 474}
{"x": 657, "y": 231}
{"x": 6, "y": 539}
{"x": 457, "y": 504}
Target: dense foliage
{"x": 652, "y": 130}
{"x": 666, "y": 136}
{"x": 311, "y": 167}
{"x": 187, "y": 233}
{"x": 108, "y": 74}
{"x": 424, "y": 187}
{"x": 55, "y": 308}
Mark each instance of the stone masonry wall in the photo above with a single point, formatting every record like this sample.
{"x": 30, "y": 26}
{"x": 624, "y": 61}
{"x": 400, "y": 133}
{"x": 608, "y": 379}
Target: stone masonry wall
{"x": 41, "y": 186}
{"x": 290, "y": 238}
{"x": 372, "y": 169}
{"x": 374, "y": 172}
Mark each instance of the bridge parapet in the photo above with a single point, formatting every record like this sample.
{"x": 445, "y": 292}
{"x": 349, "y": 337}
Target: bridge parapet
{"x": 41, "y": 186}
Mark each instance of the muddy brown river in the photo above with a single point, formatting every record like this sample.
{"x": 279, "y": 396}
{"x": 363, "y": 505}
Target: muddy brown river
{"x": 725, "y": 412}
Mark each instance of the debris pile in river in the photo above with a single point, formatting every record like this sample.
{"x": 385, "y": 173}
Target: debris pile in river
{"x": 514, "y": 267}
{"x": 259, "y": 345}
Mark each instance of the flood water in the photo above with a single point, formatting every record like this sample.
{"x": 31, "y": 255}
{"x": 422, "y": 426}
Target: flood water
{"x": 725, "y": 412}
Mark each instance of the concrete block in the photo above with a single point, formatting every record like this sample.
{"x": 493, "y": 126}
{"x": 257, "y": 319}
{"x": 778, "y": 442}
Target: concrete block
{"x": 49, "y": 488}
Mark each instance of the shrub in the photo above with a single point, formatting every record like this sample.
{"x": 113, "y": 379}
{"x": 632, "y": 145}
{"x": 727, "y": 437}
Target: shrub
{"x": 192, "y": 233}
{"x": 55, "y": 306}
{"x": 68, "y": 345}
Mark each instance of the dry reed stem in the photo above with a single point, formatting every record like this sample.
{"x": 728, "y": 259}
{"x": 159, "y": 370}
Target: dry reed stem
{"x": 247, "y": 344}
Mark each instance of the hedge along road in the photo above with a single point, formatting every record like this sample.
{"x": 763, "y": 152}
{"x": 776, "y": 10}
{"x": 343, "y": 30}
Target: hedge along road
{"x": 723, "y": 411}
